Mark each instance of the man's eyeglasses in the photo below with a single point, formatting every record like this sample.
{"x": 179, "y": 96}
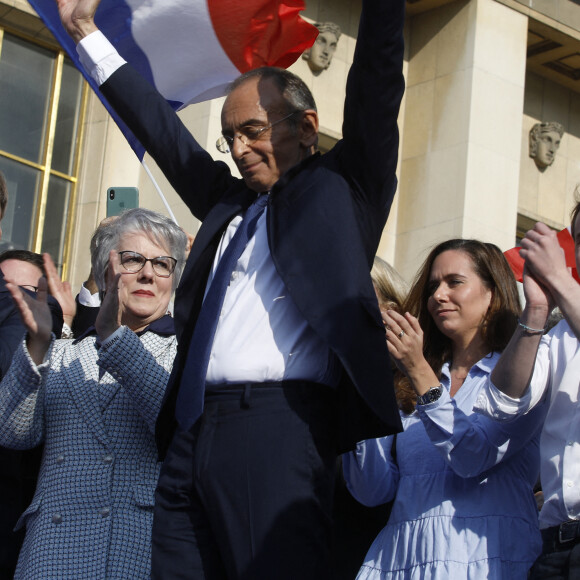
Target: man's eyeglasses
{"x": 247, "y": 135}
{"x": 133, "y": 262}
{"x": 29, "y": 287}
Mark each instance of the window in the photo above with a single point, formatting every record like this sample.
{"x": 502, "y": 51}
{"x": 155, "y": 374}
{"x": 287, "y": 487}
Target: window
{"x": 42, "y": 98}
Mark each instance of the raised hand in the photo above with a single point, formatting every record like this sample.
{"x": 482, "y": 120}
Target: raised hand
{"x": 36, "y": 317}
{"x": 405, "y": 343}
{"x": 404, "y": 339}
{"x": 60, "y": 290}
{"x": 77, "y": 17}
{"x": 538, "y": 298}
{"x": 543, "y": 256}
{"x": 110, "y": 312}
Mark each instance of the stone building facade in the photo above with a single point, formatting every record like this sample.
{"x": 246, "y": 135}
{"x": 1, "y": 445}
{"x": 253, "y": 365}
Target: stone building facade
{"x": 480, "y": 74}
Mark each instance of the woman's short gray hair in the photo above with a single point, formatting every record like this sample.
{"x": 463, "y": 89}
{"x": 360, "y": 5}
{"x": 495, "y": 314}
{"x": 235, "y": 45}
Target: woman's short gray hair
{"x": 159, "y": 228}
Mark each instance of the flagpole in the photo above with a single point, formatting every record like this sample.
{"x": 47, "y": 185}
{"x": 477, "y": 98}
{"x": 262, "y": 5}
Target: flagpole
{"x": 156, "y": 185}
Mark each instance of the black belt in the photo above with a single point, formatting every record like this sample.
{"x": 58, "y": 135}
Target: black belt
{"x": 562, "y": 535}
{"x": 225, "y": 391}
{"x": 221, "y": 388}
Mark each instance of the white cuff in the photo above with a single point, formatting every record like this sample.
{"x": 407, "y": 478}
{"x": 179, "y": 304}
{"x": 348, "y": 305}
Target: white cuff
{"x": 113, "y": 337}
{"x": 88, "y": 299}
{"x": 99, "y": 57}
{"x": 66, "y": 332}
{"x": 492, "y": 403}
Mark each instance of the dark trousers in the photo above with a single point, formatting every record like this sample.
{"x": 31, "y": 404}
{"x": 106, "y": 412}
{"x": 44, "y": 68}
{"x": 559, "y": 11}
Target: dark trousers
{"x": 18, "y": 475}
{"x": 247, "y": 494}
{"x": 559, "y": 560}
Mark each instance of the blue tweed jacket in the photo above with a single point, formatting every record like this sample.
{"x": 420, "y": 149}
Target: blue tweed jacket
{"x": 95, "y": 409}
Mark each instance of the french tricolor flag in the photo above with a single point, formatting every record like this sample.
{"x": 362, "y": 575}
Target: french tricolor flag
{"x": 192, "y": 49}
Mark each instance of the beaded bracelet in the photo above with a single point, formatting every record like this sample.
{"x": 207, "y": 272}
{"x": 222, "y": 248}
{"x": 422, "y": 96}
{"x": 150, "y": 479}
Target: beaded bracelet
{"x": 532, "y": 330}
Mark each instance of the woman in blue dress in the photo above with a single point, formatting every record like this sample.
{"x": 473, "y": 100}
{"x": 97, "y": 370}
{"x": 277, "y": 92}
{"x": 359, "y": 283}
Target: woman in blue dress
{"x": 462, "y": 484}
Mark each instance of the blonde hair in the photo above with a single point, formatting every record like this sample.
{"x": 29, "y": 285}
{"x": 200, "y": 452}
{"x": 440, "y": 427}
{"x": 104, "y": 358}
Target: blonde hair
{"x": 391, "y": 292}
{"x": 389, "y": 285}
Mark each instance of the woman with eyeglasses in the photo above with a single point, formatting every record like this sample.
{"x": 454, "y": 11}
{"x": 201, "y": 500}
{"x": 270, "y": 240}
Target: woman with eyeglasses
{"x": 93, "y": 402}
{"x": 462, "y": 484}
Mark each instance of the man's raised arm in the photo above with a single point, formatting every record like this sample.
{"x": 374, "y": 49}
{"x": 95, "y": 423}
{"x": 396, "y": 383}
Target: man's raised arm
{"x": 374, "y": 91}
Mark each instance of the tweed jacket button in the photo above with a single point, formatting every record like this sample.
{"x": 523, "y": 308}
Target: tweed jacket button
{"x": 108, "y": 459}
{"x": 57, "y": 519}
{"x": 105, "y": 512}
{"x": 60, "y": 459}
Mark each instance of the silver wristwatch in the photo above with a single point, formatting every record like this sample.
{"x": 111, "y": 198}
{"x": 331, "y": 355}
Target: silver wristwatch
{"x": 430, "y": 396}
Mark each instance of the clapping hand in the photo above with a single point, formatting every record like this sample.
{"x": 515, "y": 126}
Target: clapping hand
{"x": 60, "y": 290}
{"x": 36, "y": 317}
{"x": 404, "y": 339}
{"x": 405, "y": 343}
{"x": 110, "y": 312}
{"x": 543, "y": 255}
{"x": 536, "y": 294}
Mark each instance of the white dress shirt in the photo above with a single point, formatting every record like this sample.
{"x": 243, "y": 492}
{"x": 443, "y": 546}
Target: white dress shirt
{"x": 556, "y": 375}
{"x": 260, "y": 336}
{"x": 88, "y": 299}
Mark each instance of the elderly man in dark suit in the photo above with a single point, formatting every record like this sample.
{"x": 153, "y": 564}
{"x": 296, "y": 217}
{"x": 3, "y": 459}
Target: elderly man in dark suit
{"x": 286, "y": 365}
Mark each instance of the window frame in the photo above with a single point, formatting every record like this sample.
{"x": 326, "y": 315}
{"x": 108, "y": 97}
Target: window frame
{"x": 45, "y": 166}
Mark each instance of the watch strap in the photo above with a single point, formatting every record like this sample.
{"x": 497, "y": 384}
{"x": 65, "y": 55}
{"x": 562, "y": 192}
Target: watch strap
{"x": 431, "y": 395}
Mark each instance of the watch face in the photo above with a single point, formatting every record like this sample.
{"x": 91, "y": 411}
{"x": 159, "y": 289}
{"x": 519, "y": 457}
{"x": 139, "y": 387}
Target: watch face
{"x": 430, "y": 396}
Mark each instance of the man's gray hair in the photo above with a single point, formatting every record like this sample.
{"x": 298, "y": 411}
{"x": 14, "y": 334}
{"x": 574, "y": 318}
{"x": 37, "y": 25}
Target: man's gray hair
{"x": 294, "y": 90}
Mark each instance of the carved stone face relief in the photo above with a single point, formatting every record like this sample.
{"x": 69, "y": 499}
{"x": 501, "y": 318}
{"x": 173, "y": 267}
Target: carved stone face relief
{"x": 544, "y": 142}
{"x": 320, "y": 55}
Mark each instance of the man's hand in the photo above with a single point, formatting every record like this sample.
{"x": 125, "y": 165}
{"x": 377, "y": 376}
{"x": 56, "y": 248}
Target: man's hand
{"x": 77, "y": 17}
{"x": 110, "y": 312}
{"x": 60, "y": 290}
{"x": 546, "y": 263}
{"x": 544, "y": 257}
{"x": 539, "y": 302}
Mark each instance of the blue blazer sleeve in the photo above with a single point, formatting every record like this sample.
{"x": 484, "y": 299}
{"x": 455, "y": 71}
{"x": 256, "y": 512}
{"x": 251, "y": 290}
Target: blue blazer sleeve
{"x": 11, "y": 328}
{"x": 196, "y": 177}
{"x": 374, "y": 91}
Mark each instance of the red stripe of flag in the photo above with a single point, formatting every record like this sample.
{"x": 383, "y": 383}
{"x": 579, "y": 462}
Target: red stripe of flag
{"x": 566, "y": 243}
{"x": 256, "y": 33}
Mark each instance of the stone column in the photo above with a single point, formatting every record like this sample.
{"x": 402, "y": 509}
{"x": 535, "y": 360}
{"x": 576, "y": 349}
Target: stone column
{"x": 462, "y": 128}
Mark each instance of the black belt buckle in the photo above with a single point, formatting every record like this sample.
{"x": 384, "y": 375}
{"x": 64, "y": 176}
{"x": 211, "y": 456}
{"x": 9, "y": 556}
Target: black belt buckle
{"x": 568, "y": 532}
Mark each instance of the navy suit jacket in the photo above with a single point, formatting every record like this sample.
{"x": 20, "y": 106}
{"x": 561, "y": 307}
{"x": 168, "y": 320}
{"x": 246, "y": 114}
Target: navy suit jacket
{"x": 18, "y": 469}
{"x": 324, "y": 221}
{"x": 11, "y": 327}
